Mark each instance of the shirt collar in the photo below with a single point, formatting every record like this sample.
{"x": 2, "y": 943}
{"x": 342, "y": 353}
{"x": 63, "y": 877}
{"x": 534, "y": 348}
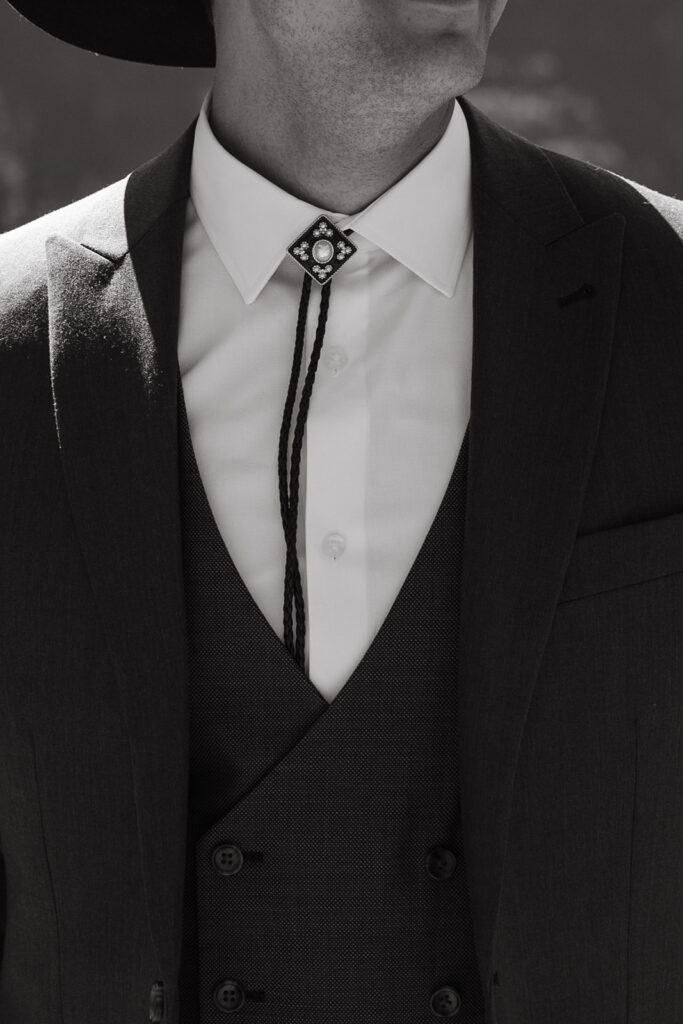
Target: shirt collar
{"x": 424, "y": 220}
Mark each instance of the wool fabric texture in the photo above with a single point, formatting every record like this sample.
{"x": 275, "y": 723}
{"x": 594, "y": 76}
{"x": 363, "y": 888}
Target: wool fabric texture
{"x": 333, "y": 914}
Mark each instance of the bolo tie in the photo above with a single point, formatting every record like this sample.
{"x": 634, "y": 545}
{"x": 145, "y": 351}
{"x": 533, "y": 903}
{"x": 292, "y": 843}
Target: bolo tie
{"x": 321, "y": 251}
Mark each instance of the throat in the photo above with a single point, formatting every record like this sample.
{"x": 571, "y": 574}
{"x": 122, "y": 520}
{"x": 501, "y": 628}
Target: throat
{"x": 336, "y": 165}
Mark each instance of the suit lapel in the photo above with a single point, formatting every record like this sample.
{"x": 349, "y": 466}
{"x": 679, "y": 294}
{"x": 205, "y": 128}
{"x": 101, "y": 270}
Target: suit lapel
{"x": 538, "y": 378}
{"x": 113, "y": 308}
{"x": 545, "y": 297}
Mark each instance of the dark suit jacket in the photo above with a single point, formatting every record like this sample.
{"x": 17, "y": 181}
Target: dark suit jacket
{"x": 571, "y": 678}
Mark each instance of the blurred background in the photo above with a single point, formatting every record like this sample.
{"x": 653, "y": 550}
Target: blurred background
{"x": 598, "y": 79}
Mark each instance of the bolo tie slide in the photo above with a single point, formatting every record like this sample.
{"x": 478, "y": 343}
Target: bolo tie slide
{"x": 321, "y": 251}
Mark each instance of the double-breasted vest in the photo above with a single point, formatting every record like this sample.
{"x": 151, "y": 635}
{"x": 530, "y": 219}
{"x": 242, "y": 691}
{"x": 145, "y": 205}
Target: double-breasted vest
{"x": 325, "y": 879}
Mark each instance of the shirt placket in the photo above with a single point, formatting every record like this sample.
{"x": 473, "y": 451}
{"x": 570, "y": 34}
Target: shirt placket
{"x": 336, "y": 460}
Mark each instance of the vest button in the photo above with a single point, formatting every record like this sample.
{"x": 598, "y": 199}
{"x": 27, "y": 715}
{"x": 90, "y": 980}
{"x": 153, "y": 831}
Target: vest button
{"x": 228, "y": 996}
{"x": 441, "y": 862}
{"x": 445, "y": 1002}
{"x": 227, "y": 859}
{"x": 156, "y": 1002}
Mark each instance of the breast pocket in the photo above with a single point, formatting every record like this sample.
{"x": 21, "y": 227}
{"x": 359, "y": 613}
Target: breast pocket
{"x": 623, "y": 556}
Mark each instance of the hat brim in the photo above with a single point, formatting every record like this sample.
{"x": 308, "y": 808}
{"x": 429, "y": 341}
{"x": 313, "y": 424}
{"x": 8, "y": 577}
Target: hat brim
{"x": 176, "y": 33}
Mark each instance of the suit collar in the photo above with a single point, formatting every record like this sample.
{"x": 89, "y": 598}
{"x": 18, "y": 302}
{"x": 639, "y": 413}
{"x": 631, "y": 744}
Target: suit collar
{"x": 538, "y": 380}
{"x": 517, "y": 177}
{"x": 118, "y": 217}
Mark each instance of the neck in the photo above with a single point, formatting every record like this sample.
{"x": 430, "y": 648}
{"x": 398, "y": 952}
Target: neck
{"x": 335, "y": 147}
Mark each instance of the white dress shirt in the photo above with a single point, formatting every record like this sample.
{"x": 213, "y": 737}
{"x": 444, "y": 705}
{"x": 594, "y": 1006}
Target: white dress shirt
{"x": 391, "y": 395}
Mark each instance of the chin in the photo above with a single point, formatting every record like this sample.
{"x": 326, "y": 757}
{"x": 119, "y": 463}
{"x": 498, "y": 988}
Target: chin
{"x": 458, "y": 64}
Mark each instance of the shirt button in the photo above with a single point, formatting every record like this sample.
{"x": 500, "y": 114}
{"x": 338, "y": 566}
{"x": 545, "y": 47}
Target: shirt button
{"x": 227, "y": 859}
{"x": 228, "y": 996}
{"x": 334, "y": 545}
{"x": 441, "y": 862}
{"x": 335, "y": 358}
{"x": 445, "y": 1002}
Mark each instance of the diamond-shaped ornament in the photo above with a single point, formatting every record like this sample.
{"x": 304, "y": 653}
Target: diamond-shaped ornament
{"x": 322, "y": 250}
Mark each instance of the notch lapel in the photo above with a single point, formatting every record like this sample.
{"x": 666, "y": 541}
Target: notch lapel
{"x": 539, "y": 374}
{"x": 113, "y": 315}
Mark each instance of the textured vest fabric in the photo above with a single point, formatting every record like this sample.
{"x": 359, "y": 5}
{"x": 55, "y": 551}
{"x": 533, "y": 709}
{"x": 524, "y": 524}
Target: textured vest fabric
{"x": 321, "y": 886}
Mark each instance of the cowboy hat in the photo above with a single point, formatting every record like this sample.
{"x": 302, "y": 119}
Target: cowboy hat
{"x": 173, "y": 32}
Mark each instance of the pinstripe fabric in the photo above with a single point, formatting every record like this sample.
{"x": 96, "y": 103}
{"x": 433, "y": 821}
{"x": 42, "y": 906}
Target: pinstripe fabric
{"x": 333, "y": 916}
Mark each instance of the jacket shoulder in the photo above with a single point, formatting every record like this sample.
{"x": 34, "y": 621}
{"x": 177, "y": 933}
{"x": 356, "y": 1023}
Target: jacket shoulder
{"x": 22, "y": 250}
{"x": 597, "y": 191}
{"x": 670, "y": 207}
{"x": 109, "y": 221}
{"x": 23, "y": 265}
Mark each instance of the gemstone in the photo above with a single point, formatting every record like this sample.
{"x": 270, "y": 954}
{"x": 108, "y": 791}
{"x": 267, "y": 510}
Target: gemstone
{"x": 323, "y": 251}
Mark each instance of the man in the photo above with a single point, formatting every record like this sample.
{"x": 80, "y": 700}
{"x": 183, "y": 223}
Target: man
{"x": 457, "y": 792}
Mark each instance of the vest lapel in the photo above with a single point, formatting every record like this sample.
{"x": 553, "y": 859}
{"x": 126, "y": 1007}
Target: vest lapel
{"x": 538, "y": 381}
{"x": 113, "y": 304}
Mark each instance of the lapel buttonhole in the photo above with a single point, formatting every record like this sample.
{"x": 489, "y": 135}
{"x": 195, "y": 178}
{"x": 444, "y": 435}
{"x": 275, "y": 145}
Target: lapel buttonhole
{"x": 586, "y": 291}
